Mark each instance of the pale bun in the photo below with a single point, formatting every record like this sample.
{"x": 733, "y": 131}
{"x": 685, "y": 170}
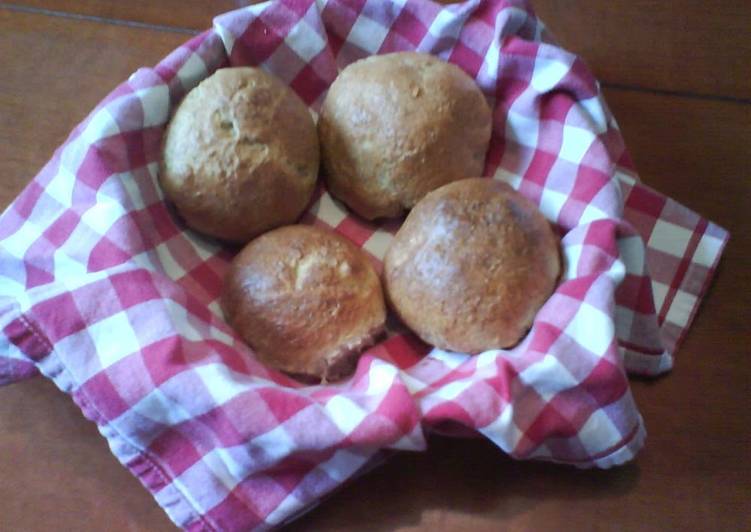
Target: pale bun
{"x": 394, "y": 127}
{"x": 240, "y": 155}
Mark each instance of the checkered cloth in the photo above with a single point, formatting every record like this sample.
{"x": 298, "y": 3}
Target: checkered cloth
{"x": 104, "y": 291}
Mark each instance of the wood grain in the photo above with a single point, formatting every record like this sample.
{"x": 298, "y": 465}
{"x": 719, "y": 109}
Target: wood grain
{"x": 698, "y": 151}
{"x": 654, "y": 44}
{"x": 57, "y": 473}
{"x": 680, "y": 45}
{"x": 55, "y": 72}
{"x": 185, "y": 14}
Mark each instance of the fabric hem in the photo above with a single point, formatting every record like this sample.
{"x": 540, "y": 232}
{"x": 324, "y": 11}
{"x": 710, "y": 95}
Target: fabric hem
{"x": 711, "y": 273}
{"x": 618, "y": 455}
{"x": 647, "y": 364}
{"x": 138, "y": 462}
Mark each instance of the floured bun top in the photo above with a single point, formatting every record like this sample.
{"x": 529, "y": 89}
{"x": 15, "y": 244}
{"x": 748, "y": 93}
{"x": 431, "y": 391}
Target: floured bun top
{"x": 394, "y": 127}
{"x": 240, "y": 155}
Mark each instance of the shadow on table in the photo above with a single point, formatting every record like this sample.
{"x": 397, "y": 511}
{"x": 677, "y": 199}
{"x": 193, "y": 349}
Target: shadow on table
{"x": 456, "y": 485}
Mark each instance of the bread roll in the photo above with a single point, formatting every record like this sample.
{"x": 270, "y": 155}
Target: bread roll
{"x": 240, "y": 155}
{"x": 471, "y": 266}
{"x": 306, "y": 300}
{"x": 394, "y": 127}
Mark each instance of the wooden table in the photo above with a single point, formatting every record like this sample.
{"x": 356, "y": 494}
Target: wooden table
{"x": 677, "y": 75}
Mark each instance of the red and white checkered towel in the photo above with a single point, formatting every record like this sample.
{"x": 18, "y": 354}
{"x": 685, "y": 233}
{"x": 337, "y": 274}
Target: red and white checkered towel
{"x": 105, "y": 292}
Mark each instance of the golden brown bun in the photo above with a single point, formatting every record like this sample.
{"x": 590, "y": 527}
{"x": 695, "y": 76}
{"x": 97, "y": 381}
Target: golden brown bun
{"x": 305, "y": 299}
{"x": 240, "y": 155}
{"x": 394, "y": 127}
{"x": 471, "y": 266}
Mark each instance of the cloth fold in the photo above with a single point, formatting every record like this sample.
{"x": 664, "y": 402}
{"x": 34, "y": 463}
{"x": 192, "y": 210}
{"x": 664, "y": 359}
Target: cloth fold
{"x": 104, "y": 291}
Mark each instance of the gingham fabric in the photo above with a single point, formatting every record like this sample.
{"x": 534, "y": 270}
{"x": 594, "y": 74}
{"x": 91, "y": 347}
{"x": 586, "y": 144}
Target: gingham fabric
{"x": 104, "y": 291}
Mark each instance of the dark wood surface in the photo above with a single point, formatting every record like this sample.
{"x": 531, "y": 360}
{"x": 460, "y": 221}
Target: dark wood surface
{"x": 194, "y": 15}
{"x": 677, "y": 77}
{"x": 680, "y": 45}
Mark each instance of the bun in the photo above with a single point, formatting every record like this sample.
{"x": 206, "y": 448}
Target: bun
{"x": 306, "y": 300}
{"x": 240, "y": 155}
{"x": 394, "y": 127}
{"x": 471, "y": 266}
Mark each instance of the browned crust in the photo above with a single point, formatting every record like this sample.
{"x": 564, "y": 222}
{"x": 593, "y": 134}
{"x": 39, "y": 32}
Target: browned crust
{"x": 240, "y": 155}
{"x": 306, "y": 300}
{"x": 471, "y": 266}
{"x": 394, "y": 127}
